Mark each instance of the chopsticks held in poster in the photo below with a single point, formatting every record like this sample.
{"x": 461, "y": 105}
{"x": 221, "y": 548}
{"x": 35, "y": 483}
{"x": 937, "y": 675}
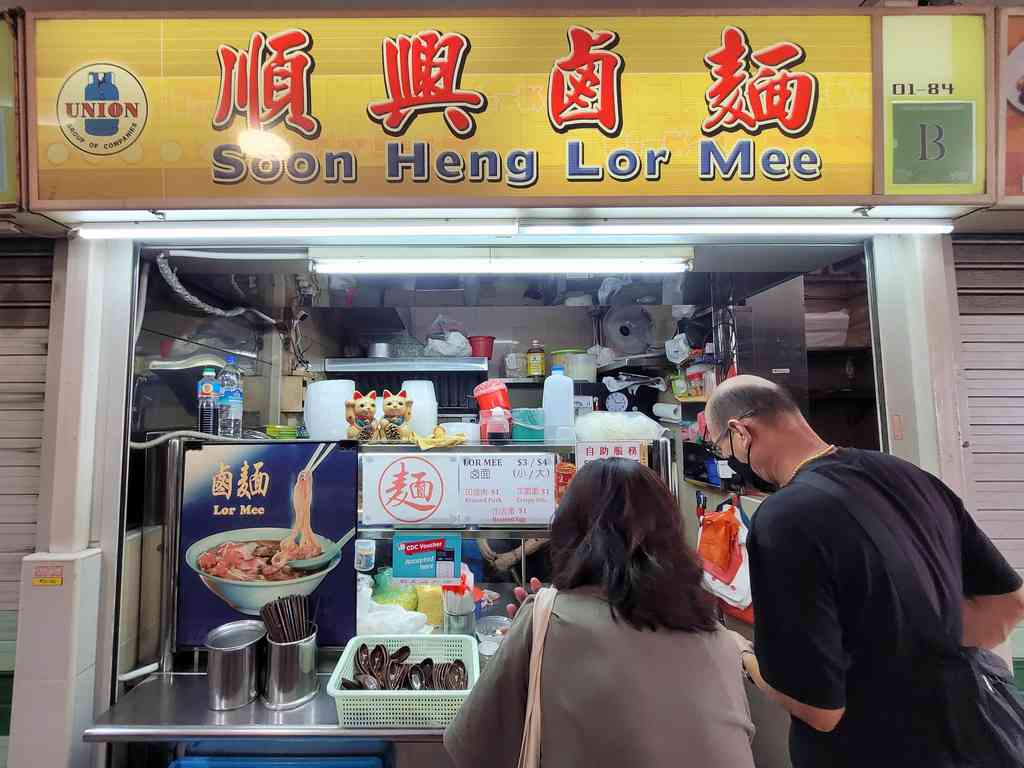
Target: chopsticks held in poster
{"x": 322, "y": 452}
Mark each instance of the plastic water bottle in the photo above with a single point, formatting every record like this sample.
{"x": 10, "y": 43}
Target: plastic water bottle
{"x": 559, "y": 405}
{"x": 231, "y": 399}
{"x": 208, "y": 396}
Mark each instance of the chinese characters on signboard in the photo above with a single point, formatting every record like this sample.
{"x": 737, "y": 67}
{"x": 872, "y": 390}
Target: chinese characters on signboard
{"x": 590, "y": 451}
{"x": 509, "y": 489}
{"x": 443, "y": 114}
{"x": 481, "y": 489}
{"x": 751, "y": 91}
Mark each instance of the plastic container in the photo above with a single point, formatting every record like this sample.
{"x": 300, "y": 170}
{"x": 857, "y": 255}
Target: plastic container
{"x": 366, "y": 555}
{"x": 581, "y": 367}
{"x": 424, "y": 406}
{"x": 536, "y": 360}
{"x": 488, "y": 650}
{"x": 404, "y": 709}
{"x": 325, "y": 408}
{"x": 528, "y": 424}
{"x": 695, "y": 380}
{"x": 481, "y": 346}
{"x": 470, "y": 431}
{"x": 560, "y": 357}
{"x": 208, "y": 401}
{"x": 515, "y": 365}
{"x": 492, "y": 394}
{"x": 495, "y": 426}
{"x": 559, "y": 404}
{"x": 232, "y": 401}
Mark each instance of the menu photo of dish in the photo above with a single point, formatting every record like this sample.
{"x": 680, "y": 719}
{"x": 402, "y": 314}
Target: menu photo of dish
{"x": 260, "y": 521}
{"x": 1012, "y": 86}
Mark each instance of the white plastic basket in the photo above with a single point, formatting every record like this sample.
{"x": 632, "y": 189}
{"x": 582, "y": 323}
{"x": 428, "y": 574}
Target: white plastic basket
{"x": 404, "y": 709}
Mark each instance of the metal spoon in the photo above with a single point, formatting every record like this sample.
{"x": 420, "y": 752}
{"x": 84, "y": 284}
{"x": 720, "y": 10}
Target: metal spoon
{"x": 330, "y": 551}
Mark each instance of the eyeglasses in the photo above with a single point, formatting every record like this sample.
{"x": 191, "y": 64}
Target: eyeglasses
{"x": 712, "y": 445}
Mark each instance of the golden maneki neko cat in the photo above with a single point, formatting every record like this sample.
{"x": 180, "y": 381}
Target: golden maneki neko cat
{"x": 359, "y": 413}
{"x": 396, "y": 425}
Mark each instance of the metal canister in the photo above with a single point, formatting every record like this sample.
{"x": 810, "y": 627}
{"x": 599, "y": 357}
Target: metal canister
{"x": 291, "y": 672}
{"x": 235, "y": 653}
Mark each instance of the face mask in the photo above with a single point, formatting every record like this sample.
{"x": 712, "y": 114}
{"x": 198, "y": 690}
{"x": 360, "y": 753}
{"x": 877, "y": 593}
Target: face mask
{"x": 746, "y": 472}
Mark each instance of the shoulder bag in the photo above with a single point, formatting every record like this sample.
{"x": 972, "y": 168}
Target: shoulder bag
{"x": 529, "y": 750}
{"x": 980, "y": 707}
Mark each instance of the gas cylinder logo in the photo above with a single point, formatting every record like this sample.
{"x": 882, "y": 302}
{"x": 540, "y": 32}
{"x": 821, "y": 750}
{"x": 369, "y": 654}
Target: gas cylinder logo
{"x": 102, "y": 109}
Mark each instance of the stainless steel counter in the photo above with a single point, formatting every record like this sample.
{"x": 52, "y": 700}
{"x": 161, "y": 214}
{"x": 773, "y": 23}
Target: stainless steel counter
{"x": 171, "y": 709}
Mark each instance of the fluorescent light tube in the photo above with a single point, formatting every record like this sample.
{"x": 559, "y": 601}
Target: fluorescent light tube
{"x": 741, "y": 228}
{"x": 500, "y": 266}
{"x": 256, "y": 231}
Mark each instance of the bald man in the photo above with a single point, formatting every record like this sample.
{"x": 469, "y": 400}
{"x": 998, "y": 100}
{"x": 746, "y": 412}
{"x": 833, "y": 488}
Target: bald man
{"x": 834, "y": 644}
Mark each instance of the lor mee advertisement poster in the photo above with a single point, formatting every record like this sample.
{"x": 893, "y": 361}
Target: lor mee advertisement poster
{"x": 250, "y": 509}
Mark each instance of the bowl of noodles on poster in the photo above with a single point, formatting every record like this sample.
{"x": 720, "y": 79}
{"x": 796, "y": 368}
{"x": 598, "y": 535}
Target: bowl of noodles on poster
{"x": 245, "y": 568}
{"x": 249, "y": 567}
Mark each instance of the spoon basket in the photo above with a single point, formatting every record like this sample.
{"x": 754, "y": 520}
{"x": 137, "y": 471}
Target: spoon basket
{"x": 427, "y": 709}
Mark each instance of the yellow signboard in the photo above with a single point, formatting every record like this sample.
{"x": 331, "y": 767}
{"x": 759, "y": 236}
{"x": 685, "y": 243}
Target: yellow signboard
{"x": 935, "y": 105}
{"x": 9, "y": 191}
{"x": 321, "y": 112}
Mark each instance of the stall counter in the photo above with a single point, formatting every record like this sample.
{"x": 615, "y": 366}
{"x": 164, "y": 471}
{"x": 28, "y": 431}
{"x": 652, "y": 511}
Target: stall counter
{"x": 173, "y": 709}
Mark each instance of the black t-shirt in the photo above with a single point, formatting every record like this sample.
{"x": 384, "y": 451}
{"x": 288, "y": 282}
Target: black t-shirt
{"x": 830, "y": 631}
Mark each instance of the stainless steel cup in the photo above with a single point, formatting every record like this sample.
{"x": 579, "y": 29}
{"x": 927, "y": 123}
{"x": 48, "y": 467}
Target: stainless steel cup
{"x": 459, "y": 624}
{"x": 233, "y": 665}
{"x": 291, "y": 672}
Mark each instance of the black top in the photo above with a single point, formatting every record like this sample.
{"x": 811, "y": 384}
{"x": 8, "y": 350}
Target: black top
{"x": 830, "y": 632}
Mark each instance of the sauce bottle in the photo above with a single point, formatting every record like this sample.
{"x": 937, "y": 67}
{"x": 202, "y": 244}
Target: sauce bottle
{"x": 535, "y": 359}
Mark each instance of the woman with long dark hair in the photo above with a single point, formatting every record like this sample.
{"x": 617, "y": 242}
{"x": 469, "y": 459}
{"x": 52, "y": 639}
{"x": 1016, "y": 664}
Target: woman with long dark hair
{"x": 636, "y": 671}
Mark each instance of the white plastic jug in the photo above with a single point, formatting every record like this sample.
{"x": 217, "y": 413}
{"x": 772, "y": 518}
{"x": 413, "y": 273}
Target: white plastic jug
{"x": 559, "y": 407}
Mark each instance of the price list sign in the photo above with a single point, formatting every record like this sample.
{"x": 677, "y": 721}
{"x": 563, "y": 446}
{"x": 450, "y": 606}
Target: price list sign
{"x": 935, "y": 105}
{"x": 508, "y": 489}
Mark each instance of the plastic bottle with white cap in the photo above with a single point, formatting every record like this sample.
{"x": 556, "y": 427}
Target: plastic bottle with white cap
{"x": 559, "y": 406}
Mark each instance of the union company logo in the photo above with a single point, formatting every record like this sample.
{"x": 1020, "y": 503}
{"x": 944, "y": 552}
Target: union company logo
{"x": 102, "y": 109}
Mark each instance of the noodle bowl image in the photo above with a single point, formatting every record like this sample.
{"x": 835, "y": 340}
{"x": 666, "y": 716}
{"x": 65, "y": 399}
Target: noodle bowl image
{"x": 245, "y": 570}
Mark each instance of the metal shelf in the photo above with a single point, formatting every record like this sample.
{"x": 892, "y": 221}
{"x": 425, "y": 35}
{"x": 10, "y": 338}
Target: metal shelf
{"x": 524, "y": 446}
{"x": 406, "y": 365}
{"x": 382, "y": 533}
{"x": 523, "y": 382}
{"x": 649, "y": 360}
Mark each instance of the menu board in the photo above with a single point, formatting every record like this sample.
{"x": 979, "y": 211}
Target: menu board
{"x": 935, "y": 104}
{"x": 508, "y": 488}
{"x": 1012, "y": 106}
{"x": 243, "y": 507}
{"x": 459, "y": 489}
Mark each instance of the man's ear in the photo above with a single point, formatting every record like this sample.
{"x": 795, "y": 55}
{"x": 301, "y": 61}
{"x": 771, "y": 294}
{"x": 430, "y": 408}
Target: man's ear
{"x": 740, "y": 429}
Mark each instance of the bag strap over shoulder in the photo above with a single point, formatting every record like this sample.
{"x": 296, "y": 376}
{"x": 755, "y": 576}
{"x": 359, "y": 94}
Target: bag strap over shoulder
{"x": 923, "y": 617}
{"x": 529, "y": 750}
